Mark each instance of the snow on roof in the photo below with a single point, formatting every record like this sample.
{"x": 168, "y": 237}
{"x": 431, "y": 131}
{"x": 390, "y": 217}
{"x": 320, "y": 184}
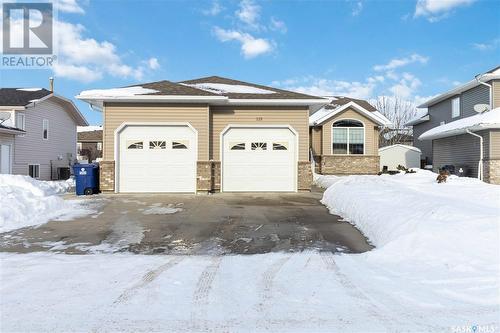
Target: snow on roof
{"x": 421, "y": 116}
{"x": 400, "y": 145}
{"x": 91, "y": 128}
{"x": 482, "y": 121}
{"x": 325, "y": 113}
{"x": 222, "y": 88}
{"x": 29, "y": 89}
{"x": 117, "y": 92}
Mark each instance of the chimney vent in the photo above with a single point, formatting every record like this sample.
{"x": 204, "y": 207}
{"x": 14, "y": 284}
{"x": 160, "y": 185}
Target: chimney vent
{"x": 51, "y": 83}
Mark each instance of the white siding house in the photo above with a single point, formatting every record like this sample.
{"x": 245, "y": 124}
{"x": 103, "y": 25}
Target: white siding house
{"x": 49, "y": 139}
{"x": 392, "y": 156}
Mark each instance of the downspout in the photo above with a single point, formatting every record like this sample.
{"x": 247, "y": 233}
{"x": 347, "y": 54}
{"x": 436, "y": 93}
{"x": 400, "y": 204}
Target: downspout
{"x": 480, "y": 164}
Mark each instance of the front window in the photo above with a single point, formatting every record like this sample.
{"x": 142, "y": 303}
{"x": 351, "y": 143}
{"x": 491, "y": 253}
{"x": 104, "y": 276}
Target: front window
{"x": 348, "y": 137}
{"x": 99, "y": 146}
{"x": 455, "y": 107}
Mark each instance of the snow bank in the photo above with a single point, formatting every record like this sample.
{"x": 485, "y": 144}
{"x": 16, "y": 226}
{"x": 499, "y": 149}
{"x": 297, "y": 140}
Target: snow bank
{"x": 411, "y": 218}
{"x": 221, "y": 88}
{"x": 486, "y": 120}
{"x": 116, "y": 92}
{"x": 25, "y": 201}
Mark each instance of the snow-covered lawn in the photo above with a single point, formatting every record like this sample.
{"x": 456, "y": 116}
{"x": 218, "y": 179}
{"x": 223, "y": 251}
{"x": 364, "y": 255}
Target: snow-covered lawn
{"x": 435, "y": 269}
{"x": 25, "y": 201}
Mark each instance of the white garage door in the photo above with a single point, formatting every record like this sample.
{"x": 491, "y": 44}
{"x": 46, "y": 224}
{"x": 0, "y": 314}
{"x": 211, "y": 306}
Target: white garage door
{"x": 259, "y": 159}
{"x": 157, "y": 159}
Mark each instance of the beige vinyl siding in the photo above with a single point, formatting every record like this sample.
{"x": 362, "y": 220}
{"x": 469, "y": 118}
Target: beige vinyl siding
{"x": 117, "y": 113}
{"x": 371, "y": 132}
{"x": 316, "y": 139}
{"x": 496, "y": 93}
{"x": 33, "y": 149}
{"x": 297, "y": 118}
{"x": 494, "y": 144}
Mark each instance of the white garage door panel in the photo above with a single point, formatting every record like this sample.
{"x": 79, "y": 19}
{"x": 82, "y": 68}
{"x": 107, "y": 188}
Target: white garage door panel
{"x": 266, "y": 170}
{"x": 157, "y": 170}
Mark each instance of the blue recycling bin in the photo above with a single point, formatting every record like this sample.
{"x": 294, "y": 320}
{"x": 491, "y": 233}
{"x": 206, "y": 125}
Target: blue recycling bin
{"x": 86, "y": 178}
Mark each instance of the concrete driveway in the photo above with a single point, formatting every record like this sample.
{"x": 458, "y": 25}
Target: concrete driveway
{"x": 194, "y": 224}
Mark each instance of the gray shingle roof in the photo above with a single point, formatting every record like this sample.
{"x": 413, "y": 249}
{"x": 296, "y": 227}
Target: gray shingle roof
{"x": 171, "y": 88}
{"x": 18, "y": 97}
{"x": 277, "y": 93}
{"x": 341, "y": 100}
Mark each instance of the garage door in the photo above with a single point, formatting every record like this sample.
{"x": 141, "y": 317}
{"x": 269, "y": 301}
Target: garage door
{"x": 157, "y": 159}
{"x": 259, "y": 159}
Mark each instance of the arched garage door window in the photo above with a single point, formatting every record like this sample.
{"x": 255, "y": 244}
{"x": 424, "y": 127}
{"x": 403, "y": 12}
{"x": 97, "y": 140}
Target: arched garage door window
{"x": 348, "y": 137}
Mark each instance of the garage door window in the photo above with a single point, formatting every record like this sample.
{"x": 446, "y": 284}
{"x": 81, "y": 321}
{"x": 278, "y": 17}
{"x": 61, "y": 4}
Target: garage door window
{"x": 280, "y": 146}
{"x": 259, "y": 146}
{"x": 132, "y": 144}
{"x": 157, "y": 145}
{"x": 237, "y": 146}
{"x": 179, "y": 145}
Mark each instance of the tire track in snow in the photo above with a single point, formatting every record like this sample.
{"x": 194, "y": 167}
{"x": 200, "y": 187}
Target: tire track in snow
{"x": 202, "y": 291}
{"x": 147, "y": 279}
{"x": 365, "y": 302}
{"x": 267, "y": 282}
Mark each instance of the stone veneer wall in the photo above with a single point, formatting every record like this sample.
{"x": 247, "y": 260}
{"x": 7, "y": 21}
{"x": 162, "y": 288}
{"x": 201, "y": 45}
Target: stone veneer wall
{"x": 492, "y": 171}
{"x": 349, "y": 164}
{"x": 304, "y": 176}
{"x": 208, "y": 176}
{"x": 107, "y": 176}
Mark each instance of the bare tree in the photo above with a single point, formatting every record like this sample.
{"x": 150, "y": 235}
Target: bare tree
{"x": 399, "y": 111}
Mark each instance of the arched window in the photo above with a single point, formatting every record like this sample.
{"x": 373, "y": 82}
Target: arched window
{"x": 348, "y": 137}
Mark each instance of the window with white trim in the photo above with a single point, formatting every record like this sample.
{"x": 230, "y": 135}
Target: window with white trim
{"x": 133, "y": 144}
{"x": 34, "y": 170}
{"x": 348, "y": 137}
{"x": 455, "y": 107}
{"x": 237, "y": 146}
{"x": 79, "y": 146}
{"x": 21, "y": 121}
{"x": 157, "y": 144}
{"x": 280, "y": 146}
{"x": 259, "y": 146}
{"x": 99, "y": 146}
{"x": 45, "y": 130}
{"x": 182, "y": 144}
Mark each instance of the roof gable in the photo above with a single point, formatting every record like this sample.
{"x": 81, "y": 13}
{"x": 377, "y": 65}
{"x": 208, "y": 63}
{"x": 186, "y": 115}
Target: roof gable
{"x": 330, "y": 110}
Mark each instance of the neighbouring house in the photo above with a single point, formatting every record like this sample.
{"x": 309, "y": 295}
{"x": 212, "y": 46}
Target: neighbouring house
{"x": 395, "y": 155}
{"x": 442, "y": 147}
{"x": 344, "y": 136}
{"x": 207, "y": 134}
{"x": 37, "y": 133}
{"x": 89, "y": 143}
